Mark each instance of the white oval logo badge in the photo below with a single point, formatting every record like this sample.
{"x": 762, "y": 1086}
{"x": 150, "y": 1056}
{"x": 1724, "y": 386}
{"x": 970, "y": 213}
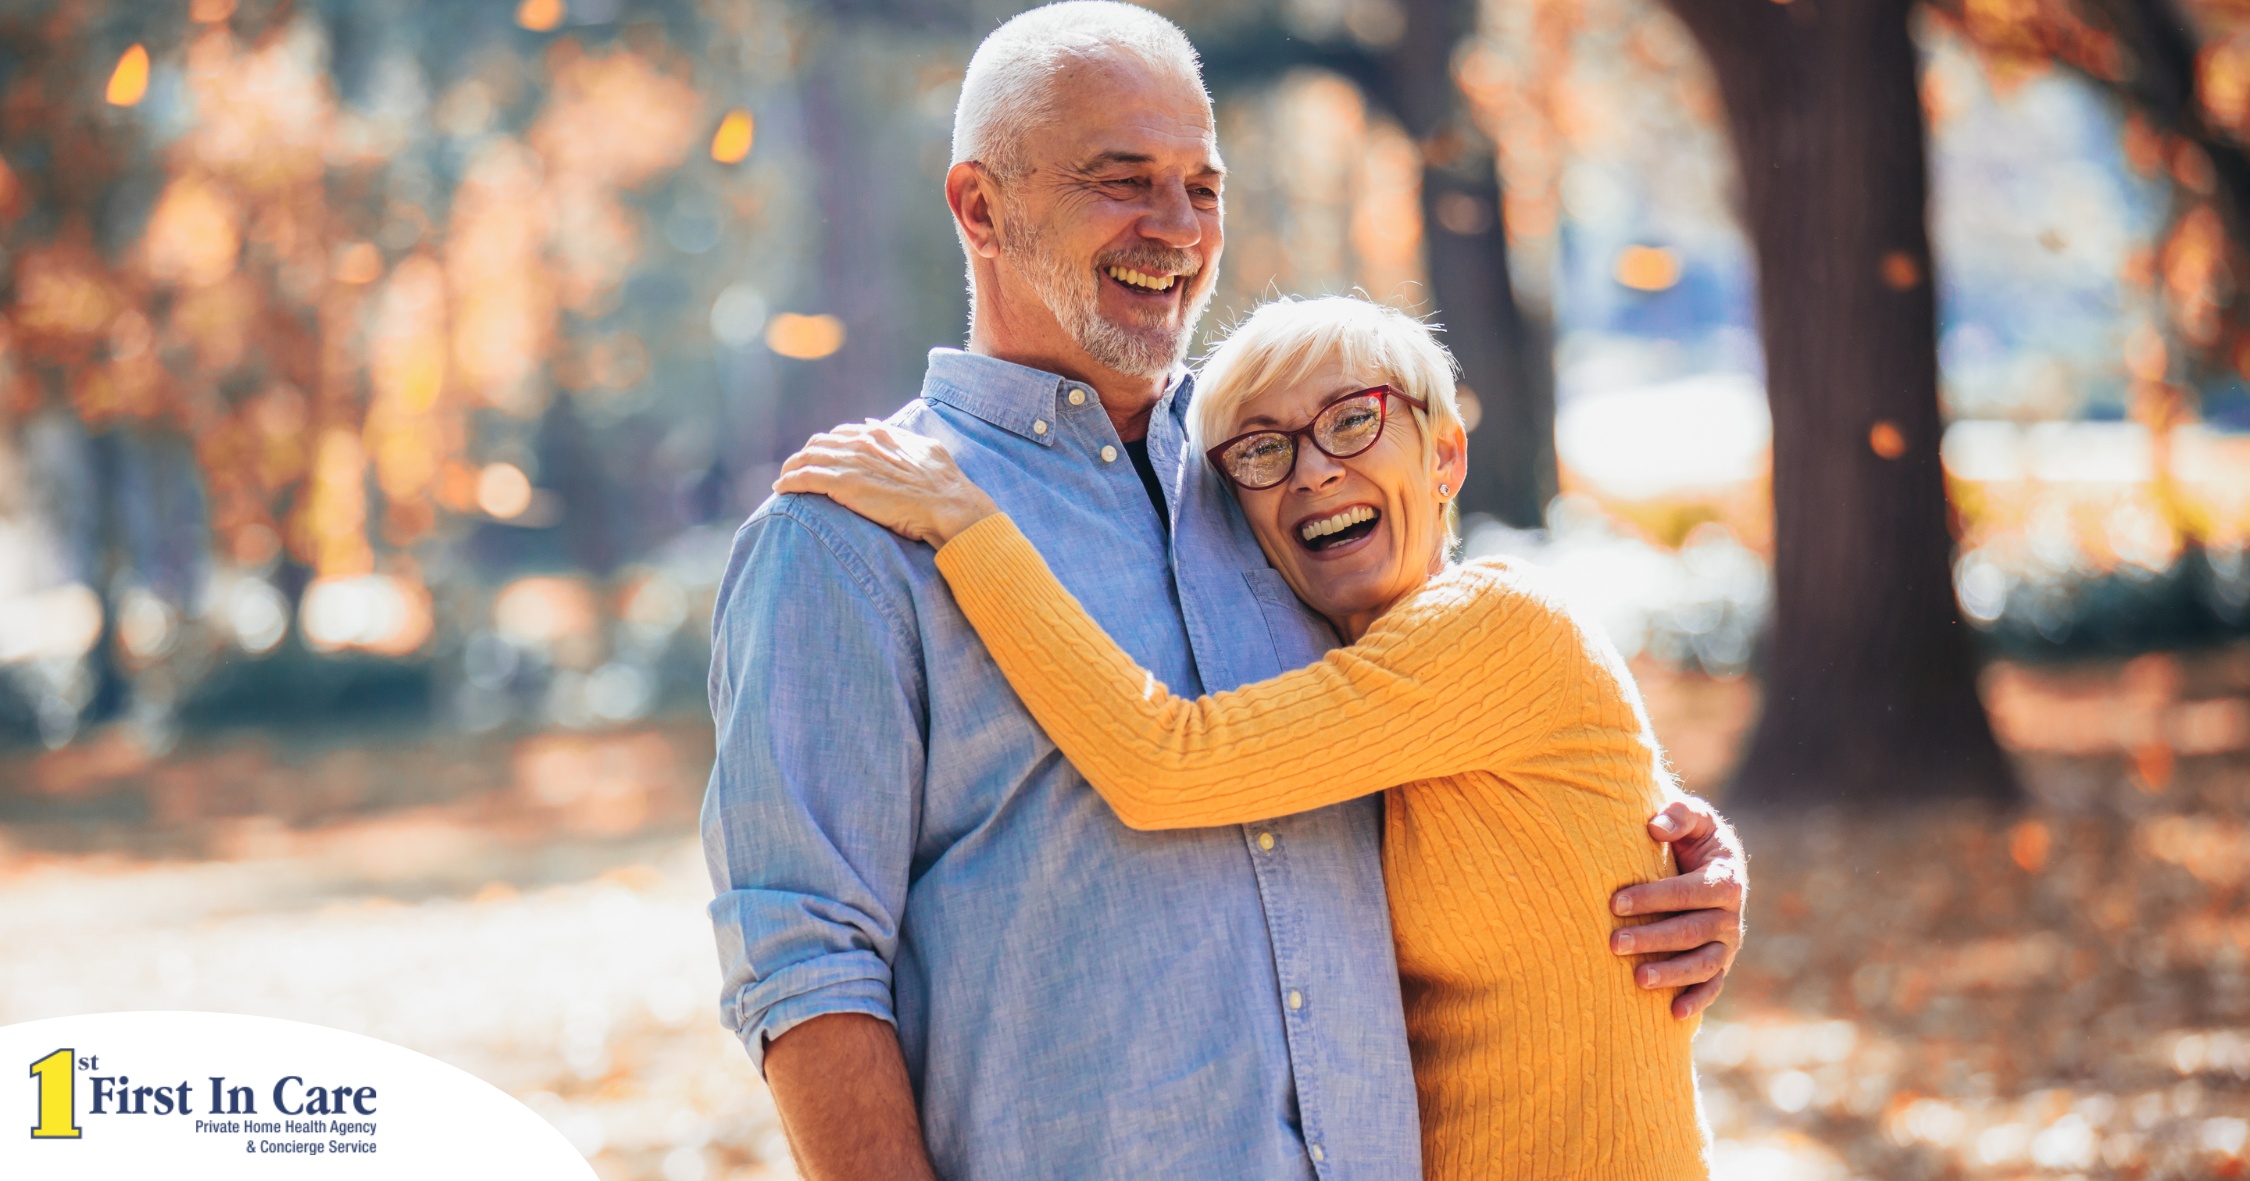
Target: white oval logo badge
{"x": 192, "y": 1095}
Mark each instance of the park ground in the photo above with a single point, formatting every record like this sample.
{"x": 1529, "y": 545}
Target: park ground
{"x": 2056, "y": 991}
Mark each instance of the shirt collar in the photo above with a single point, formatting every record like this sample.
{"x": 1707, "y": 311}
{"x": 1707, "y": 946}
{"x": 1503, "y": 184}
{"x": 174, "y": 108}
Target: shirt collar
{"x": 1182, "y": 392}
{"x": 1016, "y": 398}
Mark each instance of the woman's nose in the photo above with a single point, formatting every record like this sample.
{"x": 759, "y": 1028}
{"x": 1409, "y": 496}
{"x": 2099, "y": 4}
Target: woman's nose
{"x": 1316, "y": 469}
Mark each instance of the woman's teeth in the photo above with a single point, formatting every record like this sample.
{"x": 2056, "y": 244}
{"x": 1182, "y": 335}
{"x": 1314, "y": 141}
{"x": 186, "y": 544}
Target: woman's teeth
{"x": 1139, "y": 279}
{"x": 1313, "y": 530}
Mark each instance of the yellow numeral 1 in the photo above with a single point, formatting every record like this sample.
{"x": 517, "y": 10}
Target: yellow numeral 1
{"x": 58, "y": 1097}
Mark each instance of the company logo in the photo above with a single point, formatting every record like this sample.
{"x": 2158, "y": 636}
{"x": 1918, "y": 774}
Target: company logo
{"x": 339, "y": 1113}
{"x": 58, "y": 1097}
{"x": 195, "y": 1096}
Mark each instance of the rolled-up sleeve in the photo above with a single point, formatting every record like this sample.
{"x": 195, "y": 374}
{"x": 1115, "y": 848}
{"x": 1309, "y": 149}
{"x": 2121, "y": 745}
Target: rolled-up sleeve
{"x": 809, "y": 820}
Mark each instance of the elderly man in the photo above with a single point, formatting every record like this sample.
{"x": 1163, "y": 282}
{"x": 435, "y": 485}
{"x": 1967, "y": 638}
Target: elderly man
{"x": 944, "y": 950}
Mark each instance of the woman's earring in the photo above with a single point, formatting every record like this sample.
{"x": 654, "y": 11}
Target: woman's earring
{"x": 1444, "y": 490}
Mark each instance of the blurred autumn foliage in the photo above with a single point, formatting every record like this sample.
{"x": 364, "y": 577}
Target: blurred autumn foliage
{"x": 327, "y": 325}
{"x": 314, "y": 316}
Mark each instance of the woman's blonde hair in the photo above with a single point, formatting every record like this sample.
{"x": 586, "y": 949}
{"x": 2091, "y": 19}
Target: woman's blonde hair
{"x": 1286, "y": 339}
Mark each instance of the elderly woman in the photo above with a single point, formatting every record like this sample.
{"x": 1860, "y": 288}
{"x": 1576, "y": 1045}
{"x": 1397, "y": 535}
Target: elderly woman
{"x": 1518, "y": 760}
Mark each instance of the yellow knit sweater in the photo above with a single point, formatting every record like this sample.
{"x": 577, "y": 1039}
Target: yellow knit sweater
{"x": 1526, "y": 774}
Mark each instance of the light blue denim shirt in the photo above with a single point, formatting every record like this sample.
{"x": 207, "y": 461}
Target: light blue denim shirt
{"x": 890, "y": 833}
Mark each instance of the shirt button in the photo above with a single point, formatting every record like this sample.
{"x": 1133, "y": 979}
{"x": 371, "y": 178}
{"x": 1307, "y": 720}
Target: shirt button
{"x": 1077, "y": 397}
{"x": 1296, "y": 999}
{"x": 1039, "y": 426}
{"x": 1109, "y": 453}
{"x": 1316, "y": 1154}
{"x": 1265, "y": 841}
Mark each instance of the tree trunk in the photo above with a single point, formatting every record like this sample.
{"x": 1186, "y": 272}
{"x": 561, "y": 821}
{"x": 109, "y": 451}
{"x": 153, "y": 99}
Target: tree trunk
{"x": 1869, "y": 678}
{"x": 1504, "y": 354}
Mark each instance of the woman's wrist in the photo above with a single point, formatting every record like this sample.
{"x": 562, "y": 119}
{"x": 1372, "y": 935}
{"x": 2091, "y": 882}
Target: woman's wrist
{"x": 962, "y": 513}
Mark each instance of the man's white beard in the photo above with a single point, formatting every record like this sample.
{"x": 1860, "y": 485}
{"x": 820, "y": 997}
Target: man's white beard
{"x": 1073, "y": 293}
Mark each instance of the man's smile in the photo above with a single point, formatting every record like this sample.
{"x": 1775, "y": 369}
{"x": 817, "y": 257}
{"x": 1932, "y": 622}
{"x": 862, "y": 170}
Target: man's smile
{"x": 1142, "y": 279}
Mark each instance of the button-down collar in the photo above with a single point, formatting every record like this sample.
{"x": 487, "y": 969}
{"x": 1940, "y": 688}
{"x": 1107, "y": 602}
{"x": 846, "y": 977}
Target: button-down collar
{"x": 1016, "y": 398}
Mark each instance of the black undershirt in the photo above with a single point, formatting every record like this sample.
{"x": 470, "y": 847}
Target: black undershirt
{"x": 1137, "y": 450}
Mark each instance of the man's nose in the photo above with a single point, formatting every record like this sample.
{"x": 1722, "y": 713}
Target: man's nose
{"x": 1171, "y": 218}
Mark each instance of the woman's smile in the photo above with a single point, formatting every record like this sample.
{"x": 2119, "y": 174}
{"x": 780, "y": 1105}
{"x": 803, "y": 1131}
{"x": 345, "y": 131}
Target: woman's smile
{"x": 1340, "y": 530}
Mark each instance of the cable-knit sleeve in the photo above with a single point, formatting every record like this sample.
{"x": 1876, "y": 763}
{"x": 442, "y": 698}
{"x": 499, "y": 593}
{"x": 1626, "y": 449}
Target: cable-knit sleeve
{"x": 1467, "y": 674}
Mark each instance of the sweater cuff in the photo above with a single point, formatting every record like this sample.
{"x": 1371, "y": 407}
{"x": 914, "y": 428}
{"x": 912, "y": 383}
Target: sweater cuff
{"x": 997, "y": 575}
{"x": 977, "y": 542}
{"x": 983, "y": 555}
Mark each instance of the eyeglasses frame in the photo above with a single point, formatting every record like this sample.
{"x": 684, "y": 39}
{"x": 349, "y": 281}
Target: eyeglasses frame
{"x": 1383, "y": 393}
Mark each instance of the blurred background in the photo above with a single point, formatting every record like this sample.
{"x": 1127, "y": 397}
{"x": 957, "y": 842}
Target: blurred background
{"x": 381, "y": 382}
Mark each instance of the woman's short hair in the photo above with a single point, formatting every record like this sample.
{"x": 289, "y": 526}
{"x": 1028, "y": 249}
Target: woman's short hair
{"x": 1286, "y": 339}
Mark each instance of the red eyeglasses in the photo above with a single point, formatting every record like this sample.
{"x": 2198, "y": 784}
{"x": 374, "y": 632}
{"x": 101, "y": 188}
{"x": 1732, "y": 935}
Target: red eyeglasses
{"x": 1343, "y": 428}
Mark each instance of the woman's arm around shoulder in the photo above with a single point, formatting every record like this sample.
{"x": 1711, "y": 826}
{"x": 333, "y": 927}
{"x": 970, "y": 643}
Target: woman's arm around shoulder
{"x": 1461, "y": 676}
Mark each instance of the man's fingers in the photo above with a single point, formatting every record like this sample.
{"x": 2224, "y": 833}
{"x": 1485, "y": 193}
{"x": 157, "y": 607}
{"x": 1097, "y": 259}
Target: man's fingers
{"x": 1704, "y": 906}
{"x": 1681, "y": 820}
{"x": 1716, "y": 885}
{"x": 1679, "y": 971}
{"x": 1698, "y": 998}
{"x": 1681, "y": 932}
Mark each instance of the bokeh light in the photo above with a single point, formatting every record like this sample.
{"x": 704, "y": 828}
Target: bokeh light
{"x": 806, "y": 338}
{"x": 738, "y": 316}
{"x": 1647, "y": 268}
{"x": 378, "y": 613}
{"x": 1886, "y": 440}
{"x": 540, "y": 15}
{"x": 59, "y": 624}
{"x": 129, "y": 81}
{"x": 503, "y": 490}
{"x": 731, "y": 143}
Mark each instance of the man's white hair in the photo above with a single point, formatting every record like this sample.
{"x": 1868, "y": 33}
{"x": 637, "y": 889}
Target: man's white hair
{"x": 1009, "y": 88}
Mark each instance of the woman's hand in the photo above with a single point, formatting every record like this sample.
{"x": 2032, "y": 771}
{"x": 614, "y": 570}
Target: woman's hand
{"x": 905, "y": 482}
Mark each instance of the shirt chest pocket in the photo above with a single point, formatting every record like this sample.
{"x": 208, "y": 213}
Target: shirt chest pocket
{"x": 1299, "y": 636}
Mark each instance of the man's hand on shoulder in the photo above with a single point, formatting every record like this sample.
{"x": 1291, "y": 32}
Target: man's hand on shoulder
{"x": 1703, "y": 908}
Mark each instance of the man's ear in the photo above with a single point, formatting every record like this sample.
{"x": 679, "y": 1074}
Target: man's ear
{"x": 975, "y": 199}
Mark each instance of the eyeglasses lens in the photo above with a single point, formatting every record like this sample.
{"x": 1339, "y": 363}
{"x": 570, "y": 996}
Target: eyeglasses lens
{"x": 1343, "y": 429}
{"x": 1350, "y": 426}
{"x": 1261, "y": 461}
